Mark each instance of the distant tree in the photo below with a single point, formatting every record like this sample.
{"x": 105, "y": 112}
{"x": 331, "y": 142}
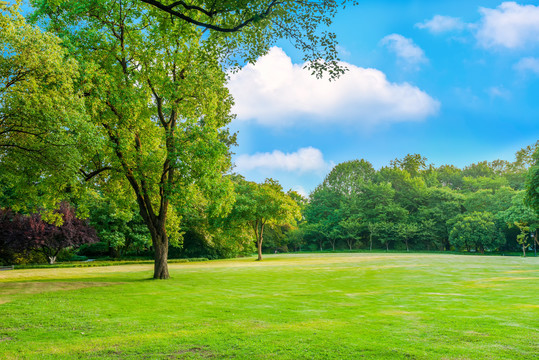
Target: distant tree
{"x": 481, "y": 169}
{"x": 406, "y": 231}
{"x": 476, "y": 230}
{"x": 263, "y": 204}
{"x": 532, "y": 184}
{"x": 414, "y": 164}
{"x": 295, "y": 238}
{"x": 68, "y": 232}
{"x": 386, "y": 232}
{"x": 352, "y": 230}
{"x": 492, "y": 201}
{"x": 13, "y": 238}
{"x": 521, "y": 216}
{"x": 23, "y": 233}
{"x": 524, "y": 236}
{"x": 442, "y": 204}
{"x": 410, "y": 191}
{"x": 323, "y": 215}
{"x": 450, "y": 176}
{"x": 373, "y": 231}
{"x": 121, "y": 228}
{"x": 428, "y": 234}
{"x": 349, "y": 177}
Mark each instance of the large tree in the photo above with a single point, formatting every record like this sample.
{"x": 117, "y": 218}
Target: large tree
{"x": 154, "y": 90}
{"x": 154, "y": 87}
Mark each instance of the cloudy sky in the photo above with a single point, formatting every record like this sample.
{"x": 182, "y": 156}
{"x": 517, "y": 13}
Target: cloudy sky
{"x": 456, "y": 81}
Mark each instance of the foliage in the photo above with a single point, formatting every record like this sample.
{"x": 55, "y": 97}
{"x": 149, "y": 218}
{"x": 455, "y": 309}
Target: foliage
{"x": 414, "y": 205}
{"x": 22, "y": 234}
{"x": 43, "y": 129}
{"x": 476, "y": 230}
{"x": 247, "y": 29}
{"x": 263, "y": 204}
{"x": 532, "y": 183}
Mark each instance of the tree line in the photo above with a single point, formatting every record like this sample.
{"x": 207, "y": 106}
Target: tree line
{"x": 413, "y": 205}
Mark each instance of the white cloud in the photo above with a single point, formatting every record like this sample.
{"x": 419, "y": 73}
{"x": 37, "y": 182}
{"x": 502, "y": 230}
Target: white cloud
{"x": 528, "y": 64}
{"x": 304, "y": 160}
{"x": 510, "y": 25}
{"x": 498, "y": 92}
{"x": 276, "y": 92}
{"x": 301, "y": 190}
{"x": 404, "y": 48}
{"x": 342, "y": 51}
{"x": 439, "y": 24}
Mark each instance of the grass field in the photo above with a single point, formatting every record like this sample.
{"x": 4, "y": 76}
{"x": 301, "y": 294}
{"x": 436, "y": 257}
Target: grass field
{"x": 330, "y": 306}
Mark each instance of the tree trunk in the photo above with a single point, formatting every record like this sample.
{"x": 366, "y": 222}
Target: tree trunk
{"x": 52, "y": 259}
{"x": 259, "y": 242}
{"x": 160, "y": 246}
{"x": 387, "y": 246}
{"x": 535, "y": 242}
{"x": 370, "y": 240}
{"x": 407, "y": 248}
{"x": 524, "y": 249}
{"x": 259, "y": 248}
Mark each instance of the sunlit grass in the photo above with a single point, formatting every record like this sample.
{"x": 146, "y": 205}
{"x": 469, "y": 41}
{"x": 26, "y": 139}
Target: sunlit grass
{"x": 330, "y": 306}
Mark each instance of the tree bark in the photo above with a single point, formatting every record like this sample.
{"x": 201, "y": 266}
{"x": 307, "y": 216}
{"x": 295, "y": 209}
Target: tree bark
{"x": 260, "y": 238}
{"x": 259, "y": 249}
{"x": 160, "y": 245}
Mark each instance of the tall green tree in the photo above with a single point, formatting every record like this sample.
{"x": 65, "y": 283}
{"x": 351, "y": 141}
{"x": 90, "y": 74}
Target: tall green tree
{"x": 156, "y": 96}
{"x": 155, "y": 88}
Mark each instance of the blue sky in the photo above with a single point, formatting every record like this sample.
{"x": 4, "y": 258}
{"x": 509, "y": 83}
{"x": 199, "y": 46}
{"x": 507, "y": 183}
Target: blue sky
{"x": 456, "y": 81}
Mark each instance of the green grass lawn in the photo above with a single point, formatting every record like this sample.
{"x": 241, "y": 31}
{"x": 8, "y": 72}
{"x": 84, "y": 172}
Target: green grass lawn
{"x": 314, "y": 306}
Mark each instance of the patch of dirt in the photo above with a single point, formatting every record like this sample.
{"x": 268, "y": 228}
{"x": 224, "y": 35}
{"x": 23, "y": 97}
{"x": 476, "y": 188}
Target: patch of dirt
{"x": 202, "y": 352}
{"x": 29, "y": 288}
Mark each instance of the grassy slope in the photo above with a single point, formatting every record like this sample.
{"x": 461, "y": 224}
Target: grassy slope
{"x": 331, "y": 306}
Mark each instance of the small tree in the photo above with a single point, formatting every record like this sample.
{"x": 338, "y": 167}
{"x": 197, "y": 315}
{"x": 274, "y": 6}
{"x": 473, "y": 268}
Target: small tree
{"x": 20, "y": 234}
{"x": 69, "y": 231}
{"x": 406, "y": 231}
{"x": 523, "y": 237}
{"x": 263, "y": 204}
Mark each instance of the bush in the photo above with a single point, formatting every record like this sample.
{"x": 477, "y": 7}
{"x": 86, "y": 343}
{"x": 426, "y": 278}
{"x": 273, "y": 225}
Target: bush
{"x": 96, "y": 250}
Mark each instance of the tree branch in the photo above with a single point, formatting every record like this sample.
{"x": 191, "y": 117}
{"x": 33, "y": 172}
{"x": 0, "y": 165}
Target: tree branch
{"x": 220, "y": 28}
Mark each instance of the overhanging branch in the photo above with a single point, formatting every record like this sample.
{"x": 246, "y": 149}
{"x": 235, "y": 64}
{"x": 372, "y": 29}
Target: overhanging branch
{"x": 220, "y": 28}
